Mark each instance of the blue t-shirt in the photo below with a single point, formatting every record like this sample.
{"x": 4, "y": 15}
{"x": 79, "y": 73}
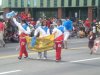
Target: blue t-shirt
{"x": 68, "y": 25}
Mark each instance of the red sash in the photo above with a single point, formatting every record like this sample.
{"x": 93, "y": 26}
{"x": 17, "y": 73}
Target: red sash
{"x": 60, "y": 38}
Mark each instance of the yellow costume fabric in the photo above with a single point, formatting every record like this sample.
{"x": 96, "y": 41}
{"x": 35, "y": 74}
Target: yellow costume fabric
{"x": 42, "y": 44}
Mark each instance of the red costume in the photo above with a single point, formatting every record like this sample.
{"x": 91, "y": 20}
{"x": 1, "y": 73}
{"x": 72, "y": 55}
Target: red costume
{"x": 23, "y": 46}
{"x": 58, "y": 44}
{"x": 24, "y": 30}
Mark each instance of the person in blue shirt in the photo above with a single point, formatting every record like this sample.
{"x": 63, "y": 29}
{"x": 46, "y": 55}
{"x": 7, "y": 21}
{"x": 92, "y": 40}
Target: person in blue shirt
{"x": 68, "y": 24}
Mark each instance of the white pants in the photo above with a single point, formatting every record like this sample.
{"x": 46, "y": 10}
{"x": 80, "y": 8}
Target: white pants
{"x": 66, "y": 36}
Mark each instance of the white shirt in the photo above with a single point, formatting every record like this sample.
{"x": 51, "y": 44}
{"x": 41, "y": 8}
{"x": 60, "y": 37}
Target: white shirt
{"x": 38, "y": 23}
{"x": 94, "y": 29}
{"x": 57, "y": 32}
{"x": 41, "y": 32}
{"x": 21, "y": 29}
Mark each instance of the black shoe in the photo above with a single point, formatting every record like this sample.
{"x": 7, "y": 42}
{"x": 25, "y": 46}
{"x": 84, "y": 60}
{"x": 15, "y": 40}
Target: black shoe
{"x": 19, "y": 58}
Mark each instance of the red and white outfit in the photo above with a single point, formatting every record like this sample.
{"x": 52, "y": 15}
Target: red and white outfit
{"x": 59, "y": 36}
{"x": 43, "y": 31}
{"x": 22, "y": 34}
{"x": 2, "y": 27}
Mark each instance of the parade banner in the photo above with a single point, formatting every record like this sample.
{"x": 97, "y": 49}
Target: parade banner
{"x": 41, "y": 44}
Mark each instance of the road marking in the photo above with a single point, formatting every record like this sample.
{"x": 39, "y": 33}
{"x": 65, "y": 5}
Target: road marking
{"x": 11, "y": 56}
{"x": 69, "y": 48}
{"x": 78, "y": 48}
{"x": 2, "y": 73}
{"x": 77, "y": 42}
{"x": 85, "y": 60}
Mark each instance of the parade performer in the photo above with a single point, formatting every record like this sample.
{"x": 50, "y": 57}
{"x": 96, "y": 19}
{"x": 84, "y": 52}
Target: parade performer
{"x": 43, "y": 31}
{"x": 92, "y": 38}
{"x": 59, "y": 36}
{"x": 24, "y": 30}
{"x": 68, "y": 24}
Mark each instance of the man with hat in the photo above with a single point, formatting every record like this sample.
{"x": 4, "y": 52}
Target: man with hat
{"x": 24, "y": 30}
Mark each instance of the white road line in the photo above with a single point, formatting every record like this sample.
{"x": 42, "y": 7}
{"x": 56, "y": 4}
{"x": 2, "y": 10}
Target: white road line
{"x": 2, "y": 73}
{"x": 31, "y": 53}
{"x": 77, "y": 42}
{"x": 85, "y": 60}
{"x": 71, "y": 48}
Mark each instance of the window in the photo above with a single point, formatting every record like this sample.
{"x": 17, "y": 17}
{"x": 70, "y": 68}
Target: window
{"x": 93, "y": 2}
{"x": 9, "y": 3}
{"x": 35, "y": 3}
{"x": 48, "y": 3}
{"x": 55, "y": 3}
{"x": 41, "y": 3}
{"x": 22, "y": 3}
{"x": 77, "y": 2}
{"x": 69, "y": 2}
{"x": 85, "y": 2}
{"x": 62, "y": 3}
{"x": 28, "y": 3}
{"x": 16, "y": 3}
{"x": 99, "y": 3}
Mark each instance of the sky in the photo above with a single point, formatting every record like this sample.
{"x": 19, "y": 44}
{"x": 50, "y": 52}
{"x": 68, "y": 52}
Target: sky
{"x": 0, "y": 2}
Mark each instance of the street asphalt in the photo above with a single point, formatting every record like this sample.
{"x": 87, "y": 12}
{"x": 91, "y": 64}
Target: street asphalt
{"x": 76, "y": 60}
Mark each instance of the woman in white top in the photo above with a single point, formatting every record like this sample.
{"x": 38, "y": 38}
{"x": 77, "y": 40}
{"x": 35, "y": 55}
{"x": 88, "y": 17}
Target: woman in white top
{"x": 43, "y": 31}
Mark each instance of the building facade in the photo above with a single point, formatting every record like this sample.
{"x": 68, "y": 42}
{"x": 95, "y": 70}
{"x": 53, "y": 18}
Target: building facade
{"x": 81, "y": 9}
